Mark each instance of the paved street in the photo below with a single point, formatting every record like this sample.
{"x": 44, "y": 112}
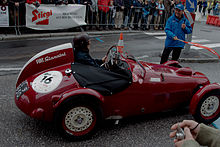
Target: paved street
{"x": 17, "y": 129}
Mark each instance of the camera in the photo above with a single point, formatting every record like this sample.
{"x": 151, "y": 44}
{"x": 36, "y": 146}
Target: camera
{"x": 180, "y": 135}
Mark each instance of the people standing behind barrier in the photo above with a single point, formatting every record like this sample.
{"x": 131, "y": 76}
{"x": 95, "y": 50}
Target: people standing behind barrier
{"x": 213, "y": 6}
{"x": 209, "y": 6}
{"x": 200, "y": 5}
{"x": 153, "y": 6}
{"x": 173, "y": 4}
{"x": 61, "y": 2}
{"x": 176, "y": 28}
{"x": 111, "y": 15}
{"x": 4, "y": 3}
{"x": 167, "y": 6}
{"x": 119, "y": 4}
{"x": 49, "y": 2}
{"x": 216, "y": 8}
{"x": 160, "y": 11}
{"x": 155, "y": 16}
{"x": 145, "y": 14}
{"x": 88, "y": 18}
{"x": 204, "y": 5}
{"x": 103, "y": 6}
{"x": 36, "y": 3}
{"x": 94, "y": 10}
{"x": 138, "y": 4}
{"x": 195, "y": 135}
{"x": 127, "y": 13}
{"x": 17, "y": 12}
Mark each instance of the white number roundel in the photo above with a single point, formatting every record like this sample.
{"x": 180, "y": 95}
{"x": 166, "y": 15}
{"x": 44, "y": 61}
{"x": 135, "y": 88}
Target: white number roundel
{"x": 47, "y": 81}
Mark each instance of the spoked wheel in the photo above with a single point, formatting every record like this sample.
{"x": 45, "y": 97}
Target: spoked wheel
{"x": 208, "y": 109}
{"x": 77, "y": 120}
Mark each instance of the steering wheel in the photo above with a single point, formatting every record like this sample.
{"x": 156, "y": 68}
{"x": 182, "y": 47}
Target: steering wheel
{"x": 112, "y": 57}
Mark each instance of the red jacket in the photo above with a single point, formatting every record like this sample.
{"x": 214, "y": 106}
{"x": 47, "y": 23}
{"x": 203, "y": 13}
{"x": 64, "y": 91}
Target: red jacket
{"x": 103, "y": 5}
{"x": 31, "y": 1}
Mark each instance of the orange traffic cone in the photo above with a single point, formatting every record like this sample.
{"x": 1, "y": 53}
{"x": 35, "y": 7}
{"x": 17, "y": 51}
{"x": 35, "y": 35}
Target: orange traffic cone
{"x": 120, "y": 44}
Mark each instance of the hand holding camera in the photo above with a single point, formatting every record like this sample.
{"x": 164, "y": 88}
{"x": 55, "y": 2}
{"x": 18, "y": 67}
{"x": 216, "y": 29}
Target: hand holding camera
{"x": 186, "y": 130}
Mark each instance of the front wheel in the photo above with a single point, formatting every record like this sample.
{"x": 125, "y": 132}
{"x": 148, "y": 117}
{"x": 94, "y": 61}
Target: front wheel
{"x": 77, "y": 120}
{"x": 208, "y": 109}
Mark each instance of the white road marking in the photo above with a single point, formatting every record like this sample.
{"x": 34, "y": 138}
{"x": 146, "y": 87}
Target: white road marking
{"x": 164, "y": 37}
{"x": 207, "y": 45}
{"x": 200, "y": 40}
{"x": 157, "y": 33}
{"x": 10, "y": 69}
{"x": 161, "y": 37}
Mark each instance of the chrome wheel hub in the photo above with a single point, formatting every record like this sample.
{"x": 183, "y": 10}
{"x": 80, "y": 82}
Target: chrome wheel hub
{"x": 78, "y": 119}
{"x": 209, "y": 106}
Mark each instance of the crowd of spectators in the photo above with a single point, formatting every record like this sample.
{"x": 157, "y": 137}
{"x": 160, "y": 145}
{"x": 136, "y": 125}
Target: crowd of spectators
{"x": 212, "y": 6}
{"x": 114, "y": 14}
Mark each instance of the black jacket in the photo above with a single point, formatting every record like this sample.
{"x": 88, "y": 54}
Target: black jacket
{"x": 127, "y": 3}
{"x": 152, "y": 8}
{"x": 84, "y": 58}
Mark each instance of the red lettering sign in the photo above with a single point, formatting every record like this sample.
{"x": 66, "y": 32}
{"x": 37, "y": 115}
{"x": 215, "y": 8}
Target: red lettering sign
{"x": 41, "y": 15}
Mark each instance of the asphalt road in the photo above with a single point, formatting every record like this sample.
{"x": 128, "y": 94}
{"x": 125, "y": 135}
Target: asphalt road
{"x": 17, "y": 129}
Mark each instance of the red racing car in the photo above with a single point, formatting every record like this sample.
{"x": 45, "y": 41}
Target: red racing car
{"x": 77, "y": 97}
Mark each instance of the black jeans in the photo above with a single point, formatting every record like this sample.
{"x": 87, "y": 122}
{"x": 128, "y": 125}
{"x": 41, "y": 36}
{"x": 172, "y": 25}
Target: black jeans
{"x": 167, "y": 51}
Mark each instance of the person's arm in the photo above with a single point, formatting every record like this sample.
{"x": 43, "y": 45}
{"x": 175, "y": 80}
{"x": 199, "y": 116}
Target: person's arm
{"x": 190, "y": 143}
{"x": 208, "y": 136}
{"x": 168, "y": 30}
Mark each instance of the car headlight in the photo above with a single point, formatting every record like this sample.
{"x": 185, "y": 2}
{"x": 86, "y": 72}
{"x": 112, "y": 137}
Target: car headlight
{"x": 21, "y": 89}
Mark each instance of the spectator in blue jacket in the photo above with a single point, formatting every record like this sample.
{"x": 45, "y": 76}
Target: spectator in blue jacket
{"x": 176, "y": 28}
{"x": 145, "y": 14}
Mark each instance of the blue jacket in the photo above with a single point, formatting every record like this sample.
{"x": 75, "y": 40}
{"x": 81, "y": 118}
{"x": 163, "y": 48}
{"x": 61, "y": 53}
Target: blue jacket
{"x": 173, "y": 28}
{"x": 146, "y": 10}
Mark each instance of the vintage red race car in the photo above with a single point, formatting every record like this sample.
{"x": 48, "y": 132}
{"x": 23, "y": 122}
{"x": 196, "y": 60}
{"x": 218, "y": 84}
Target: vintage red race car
{"x": 77, "y": 97}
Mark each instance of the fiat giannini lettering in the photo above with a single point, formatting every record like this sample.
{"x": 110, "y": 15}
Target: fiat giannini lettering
{"x": 48, "y": 58}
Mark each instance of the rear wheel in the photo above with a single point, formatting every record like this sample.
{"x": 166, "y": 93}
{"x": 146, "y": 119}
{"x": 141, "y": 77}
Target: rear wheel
{"x": 77, "y": 119}
{"x": 208, "y": 109}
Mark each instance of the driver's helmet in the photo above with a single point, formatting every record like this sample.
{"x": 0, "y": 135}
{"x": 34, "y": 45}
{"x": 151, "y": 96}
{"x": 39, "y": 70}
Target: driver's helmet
{"x": 81, "y": 42}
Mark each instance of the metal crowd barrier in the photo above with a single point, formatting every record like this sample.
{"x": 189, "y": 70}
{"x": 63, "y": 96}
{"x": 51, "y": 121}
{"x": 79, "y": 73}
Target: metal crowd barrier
{"x": 129, "y": 18}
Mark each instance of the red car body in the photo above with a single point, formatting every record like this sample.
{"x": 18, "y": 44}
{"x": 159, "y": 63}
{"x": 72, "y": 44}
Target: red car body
{"x": 154, "y": 88}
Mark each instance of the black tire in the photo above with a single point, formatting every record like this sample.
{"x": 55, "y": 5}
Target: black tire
{"x": 208, "y": 108}
{"x": 86, "y": 114}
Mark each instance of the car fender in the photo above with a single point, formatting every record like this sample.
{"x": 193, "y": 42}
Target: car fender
{"x": 79, "y": 91}
{"x": 199, "y": 94}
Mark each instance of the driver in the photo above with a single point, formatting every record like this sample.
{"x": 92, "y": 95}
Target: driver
{"x": 81, "y": 51}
